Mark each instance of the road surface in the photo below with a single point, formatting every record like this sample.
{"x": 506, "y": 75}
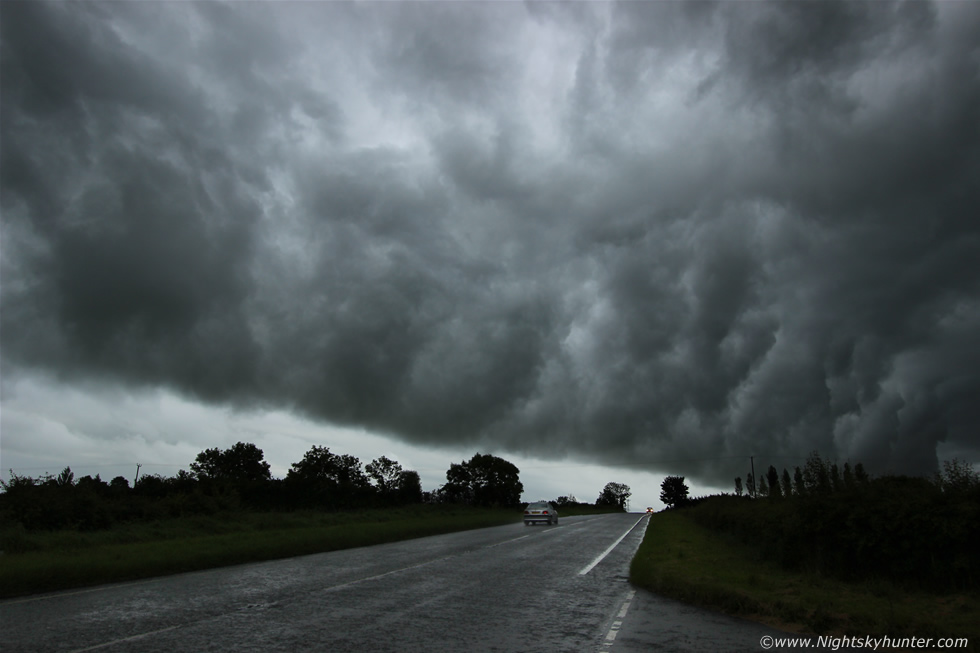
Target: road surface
{"x": 508, "y": 588}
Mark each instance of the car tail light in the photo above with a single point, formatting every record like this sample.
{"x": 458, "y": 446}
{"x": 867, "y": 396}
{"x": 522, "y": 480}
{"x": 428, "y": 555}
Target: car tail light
{"x": 527, "y": 512}
{"x": 544, "y": 512}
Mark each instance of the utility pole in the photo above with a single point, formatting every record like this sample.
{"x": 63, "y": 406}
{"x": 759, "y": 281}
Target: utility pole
{"x": 138, "y": 465}
{"x": 755, "y": 483}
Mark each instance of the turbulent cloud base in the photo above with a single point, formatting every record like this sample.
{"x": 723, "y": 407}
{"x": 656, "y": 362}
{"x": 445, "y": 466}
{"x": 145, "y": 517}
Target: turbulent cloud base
{"x": 667, "y": 234}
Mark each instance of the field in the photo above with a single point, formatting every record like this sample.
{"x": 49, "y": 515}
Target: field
{"x": 43, "y": 561}
{"x": 35, "y": 562}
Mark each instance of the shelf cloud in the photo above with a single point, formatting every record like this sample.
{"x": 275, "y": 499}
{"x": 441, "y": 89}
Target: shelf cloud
{"x": 622, "y": 233}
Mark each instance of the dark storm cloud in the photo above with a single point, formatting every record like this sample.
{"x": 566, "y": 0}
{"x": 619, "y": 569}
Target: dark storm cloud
{"x": 632, "y": 232}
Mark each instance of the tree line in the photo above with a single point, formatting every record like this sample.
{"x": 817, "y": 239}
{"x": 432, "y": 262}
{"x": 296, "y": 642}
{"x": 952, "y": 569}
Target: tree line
{"x": 239, "y": 478}
{"x": 839, "y": 521}
{"x": 817, "y": 476}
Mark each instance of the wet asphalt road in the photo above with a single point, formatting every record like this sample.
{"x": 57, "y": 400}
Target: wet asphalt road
{"x": 509, "y": 588}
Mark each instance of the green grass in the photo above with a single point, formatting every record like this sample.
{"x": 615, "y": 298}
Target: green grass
{"x": 42, "y": 562}
{"x": 683, "y": 560}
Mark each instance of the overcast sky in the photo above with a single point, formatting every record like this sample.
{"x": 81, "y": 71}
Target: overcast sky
{"x": 605, "y": 241}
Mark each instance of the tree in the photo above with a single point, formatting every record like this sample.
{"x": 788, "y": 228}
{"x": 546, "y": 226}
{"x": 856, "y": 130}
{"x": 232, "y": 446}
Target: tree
{"x": 763, "y": 486}
{"x": 836, "y": 482}
{"x": 320, "y": 466}
{"x": 787, "y": 483}
{"x": 459, "y": 484}
{"x": 241, "y": 463}
{"x": 749, "y": 485}
{"x": 66, "y": 478}
{"x": 208, "y": 464}
{"x": 151, "y": 485}
{"x": 327, "y": 479}
{"x": 799, "y": 486}
{"x": 860, "y": 476}
{"x": 385, "y": 473}
{"x": 94, "y": 485}
{"x": 566, "y": 500}
{"x": 673, "y": 491}
{"x": 182, "y": 482}
{"x": 614, "y": 494}
{"x": 816, "y": 474}
{"x": 484, "y": 480}
{"x": 773, "y": 477}
{"x": 958, "y": 476}
{"x": 738, "y": 486}
{"x": 408, "y": 487}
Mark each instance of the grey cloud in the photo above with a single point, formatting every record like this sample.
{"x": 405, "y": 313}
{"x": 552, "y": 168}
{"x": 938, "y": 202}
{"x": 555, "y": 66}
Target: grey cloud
{"x": 738, "y": 230}
{"x": 450, "y": 53}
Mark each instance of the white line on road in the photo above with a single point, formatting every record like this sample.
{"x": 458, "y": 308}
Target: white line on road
{"x": 412, "y": 567}
{"x": 113, "y": 586}
{"x": 124, "y": 639}
{"x": 490, "y": 546}
{"x": 612, "y": 546}
{"x": 616, "y": 625}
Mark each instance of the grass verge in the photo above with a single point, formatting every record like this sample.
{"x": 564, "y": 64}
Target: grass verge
{"x": 685, "y": 561}
{"x": 43, "y": 562}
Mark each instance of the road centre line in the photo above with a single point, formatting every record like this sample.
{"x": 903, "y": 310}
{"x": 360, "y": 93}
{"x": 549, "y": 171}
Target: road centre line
{"x": 410, "y": 567}
{"x": 612, "y": 546}
{"x": 387, "y": 573}
{"x": 210, "y": 617}
{"x": 124, "y": 639}
{"x": 326, "y": 589}
{"x": 490, "y": 546}
{"x": 455, "y": 555}
{"x": 145, "y": 581}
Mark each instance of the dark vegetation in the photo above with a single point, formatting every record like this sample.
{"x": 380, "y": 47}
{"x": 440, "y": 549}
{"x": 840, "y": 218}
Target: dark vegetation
{"x": 238, "y": 480}
{"x": 674, "y": 492}
{"x": 917, "y": 533}
{"x": 681, "y": 559}
{"x": 614, "y": 494}
{"x": 58, "y": 532}
{"x": 569, "y": 505}
{"x": 825, "y": 549}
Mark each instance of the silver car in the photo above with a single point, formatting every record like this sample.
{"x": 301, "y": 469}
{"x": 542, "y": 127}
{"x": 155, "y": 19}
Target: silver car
{"x": 540, "y": 512}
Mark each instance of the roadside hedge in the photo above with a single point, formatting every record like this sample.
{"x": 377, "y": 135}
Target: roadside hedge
{"x": 905, "y": 530}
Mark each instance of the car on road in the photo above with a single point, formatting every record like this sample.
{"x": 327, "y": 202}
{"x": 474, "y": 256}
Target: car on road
{"x": 650, "y": 509}
{"x": 540, "y": 512}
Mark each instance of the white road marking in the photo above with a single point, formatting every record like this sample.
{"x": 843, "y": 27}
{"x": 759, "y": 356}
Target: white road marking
{"x": 490, "y": 546}
{"x": 611, "y": 636}
{"x": 616, "y": 625}
{"x": 157, "y": 579}
{"x": 612, "y": 546}
{"x": 124, "y": 639}
{"x": 410, "y": 567}
{"x": 358, "y": 581}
